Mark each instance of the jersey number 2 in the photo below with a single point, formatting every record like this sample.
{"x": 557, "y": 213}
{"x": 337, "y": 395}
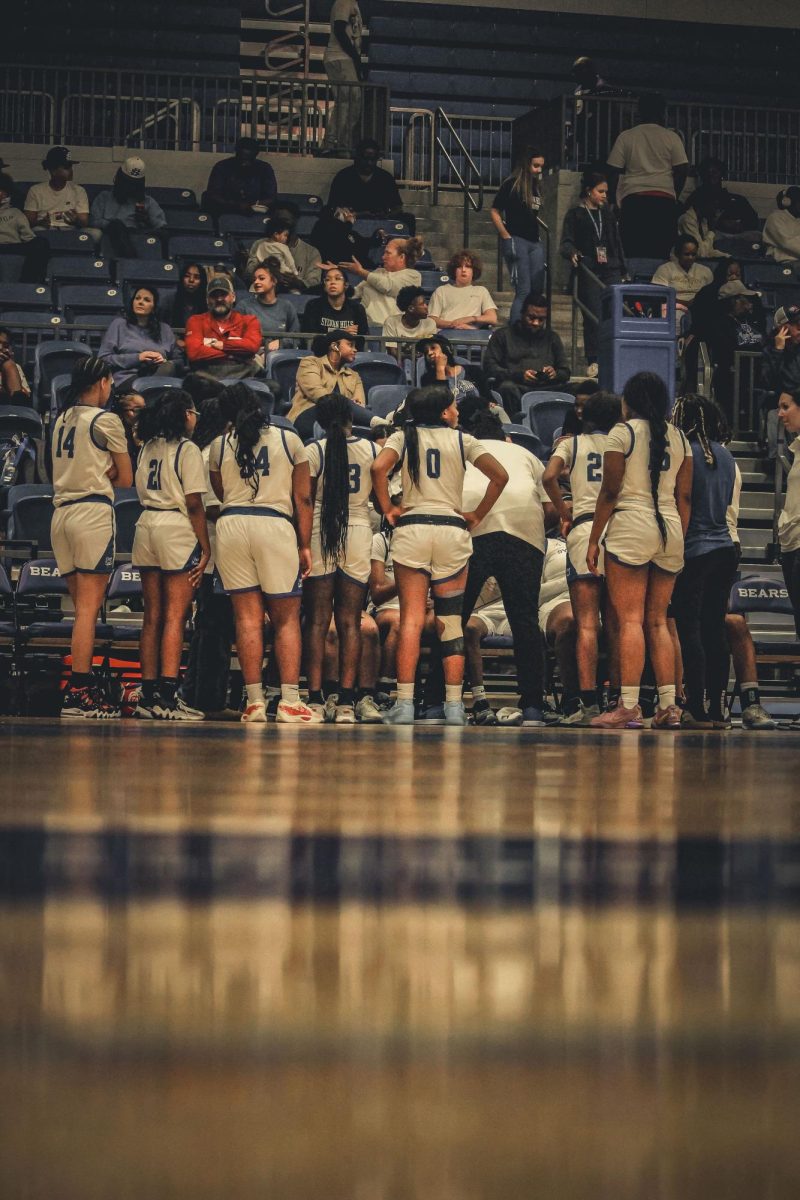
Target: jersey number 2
{"x": 594, "y": 467}
{"x": 66, "y": 445}
{"x": 154, "y": 475}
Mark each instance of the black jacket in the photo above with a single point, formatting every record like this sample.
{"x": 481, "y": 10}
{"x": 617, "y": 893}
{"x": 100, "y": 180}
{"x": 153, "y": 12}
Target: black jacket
{"x": 579, "y": 235}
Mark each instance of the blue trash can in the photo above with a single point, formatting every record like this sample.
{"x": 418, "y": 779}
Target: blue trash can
{"x": 637, "y": 333}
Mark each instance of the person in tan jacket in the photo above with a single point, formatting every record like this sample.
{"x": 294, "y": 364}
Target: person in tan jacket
{"x": 319, "y": 375}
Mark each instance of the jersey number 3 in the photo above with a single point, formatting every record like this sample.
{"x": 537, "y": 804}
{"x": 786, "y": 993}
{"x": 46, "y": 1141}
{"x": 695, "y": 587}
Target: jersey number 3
{"x": 355, "y": 478}
{"x": 66, "y": 445}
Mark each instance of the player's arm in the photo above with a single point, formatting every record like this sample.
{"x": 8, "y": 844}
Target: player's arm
{"x": 497, "y": 475}
{"x": 195, "y": 510}
{"x": 216, "y": 484}
{"x": 120, "y": 472}
{"x": 683, "y": 492}
{"x": 381, "y": 469}
{"x": 613, "y": 474}
{"x": 553, "y": 472}
{"x": 381, "y": 589}
{"x": 303, "y": 502}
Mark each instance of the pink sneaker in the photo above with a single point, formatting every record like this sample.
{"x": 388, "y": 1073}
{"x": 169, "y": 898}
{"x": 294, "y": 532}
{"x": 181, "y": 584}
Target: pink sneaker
{"x": 667, "y": 718}
{"x": 619, "y": 718}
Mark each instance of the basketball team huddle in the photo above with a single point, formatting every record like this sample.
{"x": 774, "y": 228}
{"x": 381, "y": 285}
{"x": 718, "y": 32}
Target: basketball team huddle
{"x": 438, "y": 530}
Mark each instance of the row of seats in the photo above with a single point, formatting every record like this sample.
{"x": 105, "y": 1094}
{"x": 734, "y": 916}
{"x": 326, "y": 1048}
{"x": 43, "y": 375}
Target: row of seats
{"x": 185, "y": 199}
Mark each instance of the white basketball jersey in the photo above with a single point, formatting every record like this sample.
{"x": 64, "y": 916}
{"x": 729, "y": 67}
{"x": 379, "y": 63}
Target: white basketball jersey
{"x": 443, "y": 457}
{"x": 632, "y": 438}
{"x": 583, "y": 457}
{"x": 361, "y": 453}
{"x": 168, "y": 472}
{"x": 84, "y": 438}
{"x": 275, "y": 454}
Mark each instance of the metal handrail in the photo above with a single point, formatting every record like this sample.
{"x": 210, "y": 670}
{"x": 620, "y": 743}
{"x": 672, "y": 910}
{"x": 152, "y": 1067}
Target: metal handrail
{"x": 302, "y": 31}
{"x": 577, "y": 303}
{"x": 441, "y": 117}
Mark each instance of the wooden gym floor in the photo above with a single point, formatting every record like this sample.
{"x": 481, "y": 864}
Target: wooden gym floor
{"x": 376, "y": 964}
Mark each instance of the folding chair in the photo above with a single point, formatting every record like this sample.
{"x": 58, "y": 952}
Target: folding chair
{"x": 384, "y": 398}
{"x": 375, "y": 369}
{"x": 546, "y": 412}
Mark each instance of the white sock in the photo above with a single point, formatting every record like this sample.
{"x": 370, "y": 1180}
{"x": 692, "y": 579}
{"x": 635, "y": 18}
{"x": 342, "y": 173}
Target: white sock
{"x": 290, "y": 693}
{"x": 478, "y": 691}
{"x": 629, "y": 696}
{"x": 666, "y": 696}
{"x": 452, "y": 693}
{"x": 405, "y": 691}
{"x": 255, "y": 693}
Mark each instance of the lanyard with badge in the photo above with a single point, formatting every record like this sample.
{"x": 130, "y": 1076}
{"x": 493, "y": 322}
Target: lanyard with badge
{"x": 601, "y": 254}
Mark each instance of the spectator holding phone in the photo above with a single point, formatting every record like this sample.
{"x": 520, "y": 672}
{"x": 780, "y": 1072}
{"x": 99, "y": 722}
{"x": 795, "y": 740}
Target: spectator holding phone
{"x": 526, "y": 356}
{"x": 242, "y": 185}
{"x": 60, "y": 203}
{"x": 124, "y": 208}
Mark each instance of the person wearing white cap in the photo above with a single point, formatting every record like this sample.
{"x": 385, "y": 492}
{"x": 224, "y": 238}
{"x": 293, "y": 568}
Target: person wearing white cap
{"x": 59, "y": 204}
{"x": 123, "y": 207}
{"x": 739, "y": 325}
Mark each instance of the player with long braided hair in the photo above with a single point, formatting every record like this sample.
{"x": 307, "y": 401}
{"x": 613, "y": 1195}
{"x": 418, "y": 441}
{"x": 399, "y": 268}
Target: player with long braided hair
{"x": 645, "y": 500}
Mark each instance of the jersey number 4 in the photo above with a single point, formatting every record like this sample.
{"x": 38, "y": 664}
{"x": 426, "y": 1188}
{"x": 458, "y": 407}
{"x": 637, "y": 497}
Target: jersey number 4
{"x": 262, "y": 461}
{"x": 65, "y": 445}
{"x": 154, "y": 475}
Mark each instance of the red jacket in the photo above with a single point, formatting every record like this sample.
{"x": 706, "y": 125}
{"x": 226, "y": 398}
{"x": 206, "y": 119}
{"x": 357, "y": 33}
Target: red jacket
{"x": 240, "y": 332}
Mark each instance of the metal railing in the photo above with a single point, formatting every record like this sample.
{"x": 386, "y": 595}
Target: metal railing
{"x": 447, "y": 143}
{"x": 486, "y": 140}
{"x": 761, "y": 145}
{"x": 582, "y": 272}
{"x": 159, "y": 110}
{"x": 746, "y": 380}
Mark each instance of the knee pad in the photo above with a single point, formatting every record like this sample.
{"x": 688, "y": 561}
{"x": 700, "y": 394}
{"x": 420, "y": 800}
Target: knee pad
{"x": 447, "y": 610}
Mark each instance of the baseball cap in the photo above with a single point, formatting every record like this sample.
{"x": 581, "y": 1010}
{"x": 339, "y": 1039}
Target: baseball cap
{"x": 788, "y": 315}
{"x": 338, "y": 335}
{"x": 133, "y": 167}
{"x": 59, "y": 156}
{"x": 735, "y": 287}
{"x": 220, "y": 283}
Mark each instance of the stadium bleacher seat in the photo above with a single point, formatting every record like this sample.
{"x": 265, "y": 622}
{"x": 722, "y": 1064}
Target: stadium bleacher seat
{"x": 52, "y": 359}
{"x": 201, "y": 247}
{"x": 77, "y": 298}
{"x": 41, "y": 624}
{"x": 124, "y": 588}
{"x": 171, "y": 197}
{"x": 26, "y": 297}
{"x": 296, "y": 300}
{"x": 27, "y": 517}
{"x": 281, "y": 365}
{"x": 154, "y": 383}
{"x": 246, "y": 228}
{"x": 77, "y": 268}
{"x": 546, "y": 412}
{"x": 148, "y": 245}
{"x": 521, "y": 435}
{"x": 367, "y": 226}
{"x": 768, "y": 273}
{"x": 69, "y": 241}
{"x": 375, "y": 368}
{"x": 384, "y": 398}
{"x": 432, "y": 279}
{"x": 775, "y": 640}
{"x": 146, "y": 270}
{"x": 305, "y": 225}
{"x": 257, "y": 386}
{"x": 642, "y": 270}
{"x": 306, "y": 203}
{"x": 184, "y": 220}
{"x": 11, "y": 267}
{"x": 58, "y": 386}
{"x": 127, "y": 510}
{"x": 20, "y": 431}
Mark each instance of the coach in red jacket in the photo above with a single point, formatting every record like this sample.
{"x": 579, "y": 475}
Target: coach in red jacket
{"x": 222, "y": 343}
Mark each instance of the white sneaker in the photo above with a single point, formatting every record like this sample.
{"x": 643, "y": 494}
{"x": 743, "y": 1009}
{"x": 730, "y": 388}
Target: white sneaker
{"x": 345, "y": 714}
{"x": 511, "y": 715}
{"x": 255, "y": 714}
{"x": 331, "y": 704}
{"x": 319, "y": 712}
{"x": 367, "y": 712}
{"x": 297, "y": 714}
{"x": 175, "y": 710}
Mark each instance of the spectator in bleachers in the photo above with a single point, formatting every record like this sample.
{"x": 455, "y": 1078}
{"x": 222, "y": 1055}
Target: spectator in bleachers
{"x": 582, "y": 390}
{"x": 320, "y": 374}
{"x": 380, "y": 287}
{"x": 140, "y": 343}
{"x": 526, "y": 356}
{"x": 368, "y": 190}
{"x": 706, "y": 304}
{"x": 781, "y": 367}
{"x": 299, "y": 259}
{"x": 683, "y": 272}
{"x": 590, "y": 235}
{"x": 190, "y": 297}
{"x": 60, "y": 203}
{"x": 242, "y": 185}
{"x": 275, "y": 314}
{"x": 14, "y": 387}
{"x": 306, "y": 257}
{"x": 695, "y": 221}
{"x": 652, "y": 162}
{"x": 412, "y": 323}
{"x": 336, "y": 239}
{"x": 342, "y": 62}
{"x": 515, "y": 216}
{"x": 441, "y": 367}
{"x": 17, "y": 237}
{"x": 782, "y": 228}
{"x": 124, "y": 208}
{"x": 462, "y": 304}
{"x": 728, "y": 212}
{"x": 739, "y": 325}
{"x": 128, "y": 406}
{"x": 222, "y": 343}
{"x": 273, "y": 250}
{"x": 335, "y": 309}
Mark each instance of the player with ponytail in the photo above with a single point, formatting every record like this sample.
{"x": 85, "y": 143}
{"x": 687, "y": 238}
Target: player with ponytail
{"x": 645, "y": 502}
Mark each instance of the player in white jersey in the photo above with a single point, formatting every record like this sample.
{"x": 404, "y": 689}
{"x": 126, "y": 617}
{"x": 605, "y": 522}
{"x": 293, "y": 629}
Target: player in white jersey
{"x": 90, "y": 458}
{"x": 338, "y": 471}
{"x": 170, "y": 547}
{"x": 254, "y": 473}
{"x": 645, "y": 500}
{"x": 431, "y": 545}
{"x": 582, "y": 458}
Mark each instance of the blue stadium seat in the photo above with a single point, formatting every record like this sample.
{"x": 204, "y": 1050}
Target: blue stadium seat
{"x": 51, "y": 359}
{"x": 148, "y": 245}
{"x": 77, "y": 298}
{"x": 281, "y": 365}
{"x": 26, "y": 297}
{"x": 383, "y": 398}
{"x": 58, "y": 387}
{"x": 521, "y": 435}
{"x": 305, "y": 225}
{"x": 367, "y": 226}
{"x": 20, "y": 430}
{"x": 127, "y": 510}
{"x": 79, "y": 269}
{"x": 768, "y": 273}
{"x": 69, "y": 241}
{"x": 185, "y": 221}
{"x": 11, "y": 267}
{"x": 297, "y": 301}
{"x": 432, "y": 279}
{"x": 125, "y": 587}
{"x": 40, "y": 590}
{"x": 27, "y": 516}
{"x": 155, "y": 383}
{"x": 257, "y": 386}
{"x": 642, "y": 270}
{"x": 144, "y": 270}
{"x": 171, "y": 197}
{"x": 248, "y": 228}
{"x": 201, "y": 247}
{"x": 546, "y": 412}
{"x": 307, "y": 203}
{"x": 378, "y": 368}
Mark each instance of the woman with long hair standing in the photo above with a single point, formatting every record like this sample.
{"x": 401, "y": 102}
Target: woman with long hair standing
{"x": 515, "y": 216}
{"x": 431, "y": 546}
{"x": 645, "y": 501}
{"x": 337, "y": 469}
{"x": 255, "y": 475}
{"x": 90, "y": 459}
{"x": 700, "y": 599}
{"x": 170, "y": 547}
